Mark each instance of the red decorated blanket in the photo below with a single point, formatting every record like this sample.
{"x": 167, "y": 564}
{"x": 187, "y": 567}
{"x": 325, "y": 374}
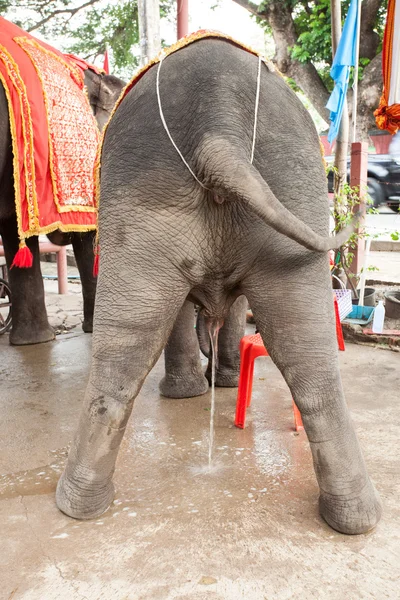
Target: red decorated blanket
{"x": 54, "y": 136}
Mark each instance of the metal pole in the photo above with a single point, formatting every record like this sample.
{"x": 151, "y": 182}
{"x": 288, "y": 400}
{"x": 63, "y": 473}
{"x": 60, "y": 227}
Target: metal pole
{"x": 336, "y": 24}
{"x": 358, "y": 179}
{"x": 342, "y": 139}
{"x": 182, "y": 18}
{"x": 62, "y": 271}
{"x": 149, "y": 29}
{"x": 355, "y": 73}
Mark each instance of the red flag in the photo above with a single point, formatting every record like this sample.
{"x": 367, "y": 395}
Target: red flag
{"x": 106, "y": 66}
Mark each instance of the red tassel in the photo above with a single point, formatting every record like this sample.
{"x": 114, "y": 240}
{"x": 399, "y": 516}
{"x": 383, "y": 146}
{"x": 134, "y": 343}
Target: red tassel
{"x": 96, "y": 261}
{"x": 24, "y": 257}
{"x": 96, "y": 265}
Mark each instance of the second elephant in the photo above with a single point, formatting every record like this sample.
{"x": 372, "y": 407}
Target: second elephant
{"x": 29, "y": 323}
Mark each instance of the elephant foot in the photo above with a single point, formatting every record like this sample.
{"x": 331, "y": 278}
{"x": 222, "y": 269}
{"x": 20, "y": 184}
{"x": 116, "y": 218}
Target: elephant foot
{"x": 26, "y": 337}
{"x": 224, "y": 377}
{"x": 354, "y": 515}
{"x": 87, "y": 325}
{"x": 183, "y": 387}
{"x": 83, "y": 501}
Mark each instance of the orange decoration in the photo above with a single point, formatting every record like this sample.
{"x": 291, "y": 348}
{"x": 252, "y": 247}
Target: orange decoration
{"x": 388, "y": 117}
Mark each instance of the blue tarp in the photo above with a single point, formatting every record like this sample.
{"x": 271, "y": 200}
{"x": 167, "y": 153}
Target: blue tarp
{"x": 345, "y": 58}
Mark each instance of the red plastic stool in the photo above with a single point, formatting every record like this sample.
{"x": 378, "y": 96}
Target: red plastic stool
{"x": 339, "y": 330}
{"x": 251, "y": 346}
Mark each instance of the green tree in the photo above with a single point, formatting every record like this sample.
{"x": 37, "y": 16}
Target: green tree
{"x": 85, "y": 27}
{"x": 303, "y": 50}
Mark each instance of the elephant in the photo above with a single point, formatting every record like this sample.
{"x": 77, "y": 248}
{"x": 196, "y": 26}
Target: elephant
{"x": 30, "y": 324}
{"x": 222, "y": 230}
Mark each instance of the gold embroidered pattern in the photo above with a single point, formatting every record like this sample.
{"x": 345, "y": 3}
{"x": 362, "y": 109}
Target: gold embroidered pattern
{"x": 72, "y": 141}
{"x": 26, "y": 127}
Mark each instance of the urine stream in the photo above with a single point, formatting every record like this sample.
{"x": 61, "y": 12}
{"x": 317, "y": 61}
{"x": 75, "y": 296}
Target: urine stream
{"x": 214, "y": 326}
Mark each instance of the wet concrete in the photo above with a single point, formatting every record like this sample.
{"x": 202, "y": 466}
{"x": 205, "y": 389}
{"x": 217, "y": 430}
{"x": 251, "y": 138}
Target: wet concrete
{"x": 64, "y": 312}
{"x": 250, "y": 529}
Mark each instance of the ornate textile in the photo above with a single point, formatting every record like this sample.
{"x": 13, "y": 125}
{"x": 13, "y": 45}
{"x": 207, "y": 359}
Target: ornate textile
{"x": 82, "y": 64}
{"x": 54, "y": 135}
{"x": 387, "y": 115}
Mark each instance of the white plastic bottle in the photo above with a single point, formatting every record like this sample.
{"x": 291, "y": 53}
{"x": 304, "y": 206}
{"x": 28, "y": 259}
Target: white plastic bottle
{"x": 379, "y": 317}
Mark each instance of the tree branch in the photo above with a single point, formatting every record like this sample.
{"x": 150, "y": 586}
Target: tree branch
{"x": 279, "y": 17}
{"x": 250, "y": 6}
{"x": 54, "y": 13}
{"x": 369, "y": 39}
{"x": 369, "y": 10}
{"x": 369, "y": 93}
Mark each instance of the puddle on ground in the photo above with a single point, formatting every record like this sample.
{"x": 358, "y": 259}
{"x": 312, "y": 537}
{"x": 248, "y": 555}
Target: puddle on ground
{"x": 213, "y": 469}
{"x": 35, "y": 482}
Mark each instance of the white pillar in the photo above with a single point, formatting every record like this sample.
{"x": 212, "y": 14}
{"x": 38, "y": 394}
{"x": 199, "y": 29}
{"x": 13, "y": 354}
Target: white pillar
{"x": 149, "y": 29}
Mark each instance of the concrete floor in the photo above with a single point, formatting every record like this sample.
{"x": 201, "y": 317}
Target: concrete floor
{"x": 249, "y": 530}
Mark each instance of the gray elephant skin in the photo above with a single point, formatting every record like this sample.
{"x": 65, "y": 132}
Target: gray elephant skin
{"x": 259, "y": 231}
{"x": 30, "y": 324}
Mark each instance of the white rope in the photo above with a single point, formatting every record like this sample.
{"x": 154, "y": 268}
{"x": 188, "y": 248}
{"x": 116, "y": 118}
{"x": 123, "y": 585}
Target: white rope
{"x": 170, "y": 136}
{"x": 166, "y": 127}
{"x": 256, "y": 110}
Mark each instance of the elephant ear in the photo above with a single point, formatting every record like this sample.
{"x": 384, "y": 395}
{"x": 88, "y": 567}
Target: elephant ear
{"x": 103, "y": 92}
{"x": 109, "y": 92}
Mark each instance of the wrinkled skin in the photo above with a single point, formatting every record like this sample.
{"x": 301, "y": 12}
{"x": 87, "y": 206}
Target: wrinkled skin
{"x": 184, "y": 376}
{"x": 30, "y": 324}
{"x": 164, "y": 240}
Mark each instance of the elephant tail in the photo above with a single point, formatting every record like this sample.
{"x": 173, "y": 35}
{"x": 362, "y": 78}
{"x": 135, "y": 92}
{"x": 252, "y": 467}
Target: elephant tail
{"x": 241, "y": 179}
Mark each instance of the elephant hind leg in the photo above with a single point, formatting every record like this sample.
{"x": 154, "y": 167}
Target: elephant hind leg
{"x": 184, "y": 376}
{"x": 83, "y": 245}
{"x": 300, "y": 338}
{"x": 29, "y": 316}
{"x": 127, "y": 342}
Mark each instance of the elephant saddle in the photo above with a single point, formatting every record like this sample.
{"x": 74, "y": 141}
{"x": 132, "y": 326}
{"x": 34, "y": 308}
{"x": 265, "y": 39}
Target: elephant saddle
{"x": 54, "y": 137}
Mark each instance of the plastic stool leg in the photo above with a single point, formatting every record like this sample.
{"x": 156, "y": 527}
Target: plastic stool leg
{"x": 62, "y": 272}
{"x": 245, "y": 377}
{"x": 256, "y": 351}
{"x": 298, "y": 421}
{"x": 339, "y": 330}
{"x": 250, "y": 376}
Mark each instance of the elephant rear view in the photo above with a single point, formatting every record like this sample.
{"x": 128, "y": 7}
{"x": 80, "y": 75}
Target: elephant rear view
{"x": 213, "y": 187}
